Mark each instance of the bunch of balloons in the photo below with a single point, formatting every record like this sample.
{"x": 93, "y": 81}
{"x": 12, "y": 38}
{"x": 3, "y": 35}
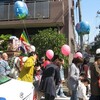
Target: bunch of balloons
{"x": 82, "y": 28}
{"x": 65, "y": 50}
{"x": 20, "y": 9}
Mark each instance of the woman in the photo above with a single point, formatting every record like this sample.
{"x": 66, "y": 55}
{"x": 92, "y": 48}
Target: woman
{"x": 50, "y": 81}
{"x": 27, "y": 71}
{"x": 73, "y": 76}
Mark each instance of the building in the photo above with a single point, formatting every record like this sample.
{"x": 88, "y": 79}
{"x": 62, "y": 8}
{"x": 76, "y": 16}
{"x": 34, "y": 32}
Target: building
{"x": 42, "y": 14}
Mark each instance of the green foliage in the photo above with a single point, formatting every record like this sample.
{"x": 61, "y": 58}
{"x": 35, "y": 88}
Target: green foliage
{"x": 5, "y": 37}
{"x": 49, "y": 39}
{"x": 4, "y": 44}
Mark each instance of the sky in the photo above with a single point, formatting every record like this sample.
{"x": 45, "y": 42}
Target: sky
{"x": 89, "y": 10}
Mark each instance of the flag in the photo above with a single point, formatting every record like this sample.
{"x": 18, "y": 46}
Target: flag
{"x": 24, "y": 37}
{"x": 25, "y": 42}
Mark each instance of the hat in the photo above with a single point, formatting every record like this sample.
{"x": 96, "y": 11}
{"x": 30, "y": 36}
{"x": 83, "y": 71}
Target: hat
{"x": 13, "y": 37}
{"x": 98, "y": 51}
{"x": 38, "y": 68}
{"x": 33, "y": 48}
{"x": 24, "y": 59}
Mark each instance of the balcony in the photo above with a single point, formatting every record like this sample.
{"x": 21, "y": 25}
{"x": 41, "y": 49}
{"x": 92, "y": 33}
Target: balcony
{"x": 41, "y": 14}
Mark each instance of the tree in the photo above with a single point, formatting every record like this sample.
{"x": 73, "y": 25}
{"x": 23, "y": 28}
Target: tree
{"x": 4, "y": 43}
{"x": 49, "y": 39}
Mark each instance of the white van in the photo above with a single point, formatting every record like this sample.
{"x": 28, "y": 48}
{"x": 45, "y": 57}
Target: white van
{"x": 12, "y": 89}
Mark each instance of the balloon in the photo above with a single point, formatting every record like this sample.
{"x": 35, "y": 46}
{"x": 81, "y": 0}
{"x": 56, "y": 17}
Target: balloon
{"x": 2, "y": 98}
{"x": 20, "y": 9}
{"x": 65, "y": 49}
{"x": 78, "y": 55}
{"x": 49, "y": 54}
{"x": 82, "y": 28}
{"x": 47, "y": 62}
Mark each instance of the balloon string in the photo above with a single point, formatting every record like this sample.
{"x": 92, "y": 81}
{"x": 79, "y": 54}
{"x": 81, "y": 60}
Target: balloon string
{"x": 25, "y": 29}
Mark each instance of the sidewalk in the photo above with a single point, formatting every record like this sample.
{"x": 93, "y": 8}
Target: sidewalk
{"x": 66, "y": 91}
{"x": 67, "y": 98}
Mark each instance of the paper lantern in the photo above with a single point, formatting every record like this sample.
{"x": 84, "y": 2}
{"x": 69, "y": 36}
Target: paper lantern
{"x": 20, "y": 9}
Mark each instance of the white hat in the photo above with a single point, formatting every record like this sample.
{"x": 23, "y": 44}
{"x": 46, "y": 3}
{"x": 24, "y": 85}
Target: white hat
{"x": 33, "y": 48}
{"x": 98, "y": 51}
{"x": 24, "y": 59}
{"x": 13, "y": 37}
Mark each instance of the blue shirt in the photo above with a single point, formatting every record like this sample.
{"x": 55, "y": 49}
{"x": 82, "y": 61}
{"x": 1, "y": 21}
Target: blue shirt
{"x": 4, "y": 67}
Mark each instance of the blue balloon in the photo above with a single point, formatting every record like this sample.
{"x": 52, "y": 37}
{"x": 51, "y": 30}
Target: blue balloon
{"x": 2, "y": 98}
{"x": 78, "y": 27}
{"x": 20, "y": 9}
{"x": 82, "y": 28}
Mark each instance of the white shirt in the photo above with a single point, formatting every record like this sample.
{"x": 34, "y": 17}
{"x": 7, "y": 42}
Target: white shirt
{"x": 82, "y": 91}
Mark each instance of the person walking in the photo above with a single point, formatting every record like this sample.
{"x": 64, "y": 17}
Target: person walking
{"x": 50, "y": 80}
{"x": 95, "y": 77}
{"x": 59, "y": 91}
{"x": 73, "y": 77}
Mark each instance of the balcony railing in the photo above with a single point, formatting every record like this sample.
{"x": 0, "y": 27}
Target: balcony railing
{"x": 36, "y": 10}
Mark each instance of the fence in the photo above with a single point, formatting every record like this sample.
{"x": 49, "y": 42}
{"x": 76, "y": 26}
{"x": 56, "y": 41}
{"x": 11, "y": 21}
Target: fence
{"x": 36, "y": 10}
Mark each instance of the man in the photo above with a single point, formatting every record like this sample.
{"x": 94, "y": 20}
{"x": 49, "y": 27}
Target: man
{"x": 95, "y": 77}
{"x": 4, "y": 67}
{"x": 5, "y": 56}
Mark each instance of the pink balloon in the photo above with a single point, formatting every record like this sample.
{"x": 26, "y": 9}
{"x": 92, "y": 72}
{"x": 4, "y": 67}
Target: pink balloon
{"x": 49, "y": 54}
{"x": 65, "y": 49}
{"x": 78, "y": 55}
{"x": 47, "y": 62}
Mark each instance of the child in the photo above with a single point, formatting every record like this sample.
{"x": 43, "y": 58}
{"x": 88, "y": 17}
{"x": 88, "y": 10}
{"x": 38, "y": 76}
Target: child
{"x": 37, "y": 79}
{"x": 59, "y": 91}
{"x": 82, "y": 89}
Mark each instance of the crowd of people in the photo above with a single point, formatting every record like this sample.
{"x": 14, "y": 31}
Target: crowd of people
{"x": 47, "y": 76}
{"x": 84, "y": 78}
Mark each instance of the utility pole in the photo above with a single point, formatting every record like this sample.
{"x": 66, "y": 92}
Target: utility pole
{"x": 80, "y": 19}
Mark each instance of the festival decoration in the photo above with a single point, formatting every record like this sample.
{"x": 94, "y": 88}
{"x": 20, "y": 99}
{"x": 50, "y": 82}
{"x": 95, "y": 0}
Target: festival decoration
{"x": 49, "y": 54}
{"x": 20, "y": 9}
{"x": 78, "y": 55}
{"x": 65, "y": 49}
{"x": 82, "y": 28}
{"x": 24, "y": 37}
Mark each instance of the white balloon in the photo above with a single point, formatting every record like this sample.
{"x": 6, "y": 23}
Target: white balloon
{"x": 98, "y": 51}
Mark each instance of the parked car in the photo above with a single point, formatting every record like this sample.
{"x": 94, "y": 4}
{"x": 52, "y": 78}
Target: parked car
{"x": 12, "y": 89}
